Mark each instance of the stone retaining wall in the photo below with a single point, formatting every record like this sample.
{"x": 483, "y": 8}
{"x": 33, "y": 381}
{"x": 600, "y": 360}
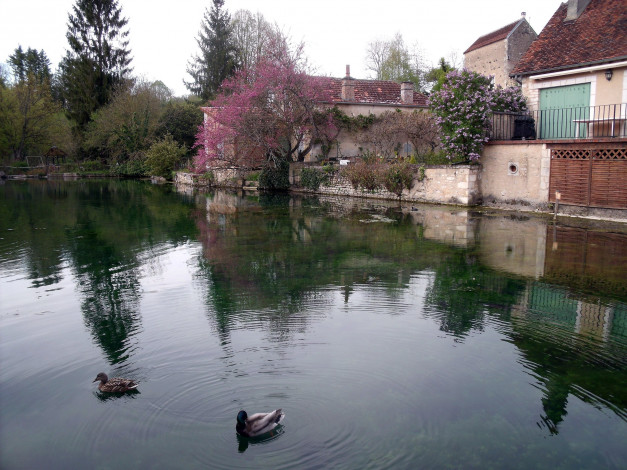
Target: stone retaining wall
{"x": 441, "y": 185}
{"x": 515, "y": 172}
{"x": 222, "y": 177}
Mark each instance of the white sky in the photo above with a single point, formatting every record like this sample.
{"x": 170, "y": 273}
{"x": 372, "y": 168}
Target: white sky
{"x": 336, "y": 32}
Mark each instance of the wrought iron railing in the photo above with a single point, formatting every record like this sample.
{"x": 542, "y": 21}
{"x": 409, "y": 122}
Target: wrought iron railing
{"x": 564, "y": 123}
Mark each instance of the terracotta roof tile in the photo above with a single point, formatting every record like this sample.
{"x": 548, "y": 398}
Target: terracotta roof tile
{"x": 373, "y": 92}
{"x": 598, "y": 35}
{"x": 492, "y": 37}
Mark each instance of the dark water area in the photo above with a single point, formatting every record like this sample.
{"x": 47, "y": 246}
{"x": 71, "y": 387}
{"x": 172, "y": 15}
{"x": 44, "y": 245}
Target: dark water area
{"x": 392, "y": 337}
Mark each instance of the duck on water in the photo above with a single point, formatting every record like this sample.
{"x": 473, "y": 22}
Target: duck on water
{"x": 115, "y": 384}
{"x": 258, "y": 423}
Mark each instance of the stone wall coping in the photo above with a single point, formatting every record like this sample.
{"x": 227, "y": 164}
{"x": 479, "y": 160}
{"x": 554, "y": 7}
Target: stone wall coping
{"x": 612, "y": 140}
{"x": 414, "y": 165}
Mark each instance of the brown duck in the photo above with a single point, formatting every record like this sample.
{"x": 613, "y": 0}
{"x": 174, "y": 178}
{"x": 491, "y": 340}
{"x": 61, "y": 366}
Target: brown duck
{"x": 114, "y": 385}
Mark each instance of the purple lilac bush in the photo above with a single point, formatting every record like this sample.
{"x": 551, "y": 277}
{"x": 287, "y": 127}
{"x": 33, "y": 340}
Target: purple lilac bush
{"x": 463, "y": 107}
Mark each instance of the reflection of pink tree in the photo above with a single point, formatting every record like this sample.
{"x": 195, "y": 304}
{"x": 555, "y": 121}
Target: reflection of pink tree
{"x": 268, "y": 111}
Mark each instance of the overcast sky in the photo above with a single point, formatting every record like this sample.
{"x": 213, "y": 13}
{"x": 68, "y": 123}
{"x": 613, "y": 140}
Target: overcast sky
{"x": 335, "y": 32}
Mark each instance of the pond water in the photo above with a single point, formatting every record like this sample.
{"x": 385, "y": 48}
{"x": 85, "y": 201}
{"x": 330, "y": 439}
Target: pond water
{"x": 413, "y": 337}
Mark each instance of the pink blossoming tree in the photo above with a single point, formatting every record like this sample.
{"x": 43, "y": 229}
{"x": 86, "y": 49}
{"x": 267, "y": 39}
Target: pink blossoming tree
{"x": 266, "y": 114}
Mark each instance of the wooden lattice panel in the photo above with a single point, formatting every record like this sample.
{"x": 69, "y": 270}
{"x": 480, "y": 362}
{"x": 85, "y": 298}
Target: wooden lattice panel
{"x": 594, "y": 177}
{"x": 608, "y": 185}
{"x": 570, "y": 154}
{"x": 610, "y": 154}
{"x": 572, "y": 179}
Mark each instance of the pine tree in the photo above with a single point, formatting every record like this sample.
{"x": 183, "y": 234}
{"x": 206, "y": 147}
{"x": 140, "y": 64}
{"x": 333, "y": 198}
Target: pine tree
{"x": 217, "y": 59}
{"x": 27, "y": 110}
{"x": 98, "y": 60}
{"x": 32, "y": 62}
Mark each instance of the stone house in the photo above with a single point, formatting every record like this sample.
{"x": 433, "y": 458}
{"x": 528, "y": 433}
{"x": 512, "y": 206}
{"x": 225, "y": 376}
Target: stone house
{"x": 352, "y": 96}
{"x": 498, "y": 52}
{"x": 357, "y": 97}
{"x": 579, "y": 59}
{"x": 574, "y": 77}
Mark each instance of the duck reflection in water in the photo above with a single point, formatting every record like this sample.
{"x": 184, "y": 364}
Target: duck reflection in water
{"x": 130, "y": 395}
{"x": 244, "y": 442}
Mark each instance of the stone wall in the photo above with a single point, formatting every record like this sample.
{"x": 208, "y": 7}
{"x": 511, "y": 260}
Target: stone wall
{"x": 490, "y": 60}
{"x": 223, "y": 177}
{"x": 515, "y": 172}
{"x": 499, "y": 58}
{"x": 441, "y": 185}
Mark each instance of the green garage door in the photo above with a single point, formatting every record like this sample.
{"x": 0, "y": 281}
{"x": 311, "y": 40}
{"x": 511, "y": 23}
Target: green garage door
{"x": 560, "y": 108}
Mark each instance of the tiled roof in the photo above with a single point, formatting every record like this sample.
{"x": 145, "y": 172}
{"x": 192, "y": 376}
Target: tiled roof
{"x": 373, "y": 92}
{"x": 494, "y": 36}
{"x": 598, "y": 35}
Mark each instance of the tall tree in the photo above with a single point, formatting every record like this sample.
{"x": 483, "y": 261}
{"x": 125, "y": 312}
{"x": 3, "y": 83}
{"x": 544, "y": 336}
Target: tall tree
{"x": 217, "y": 58}
{"x": 28, "y": 115}
{"x": 435, "y": 76}
{"x": 394, "y": 60}
{"x": 32, "y": 62}
{"x": 267, "y": 114}
{"x": 125, "y": 128}
{"x": 252, "y": 35}
{"x": 98, "y": 60}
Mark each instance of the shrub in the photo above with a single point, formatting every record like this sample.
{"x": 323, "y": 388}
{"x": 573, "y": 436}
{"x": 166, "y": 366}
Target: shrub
{"x": 312, "y": 178}
{"x": 275, "y": 175}
{"x": 252, "y": 176}
{"x": 464, "y": 105}
{"x": 134, "y": 167}
{"x": 363, "y": 175}
{"x": 163, "y": 156}
{"x": 92, "y": 166}
{"x": 397, "y": 177}
{"x": 207, "y": 178}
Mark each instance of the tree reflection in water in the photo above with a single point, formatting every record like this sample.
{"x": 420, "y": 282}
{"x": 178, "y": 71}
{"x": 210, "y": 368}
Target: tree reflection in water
{"x": 272, "y": 256}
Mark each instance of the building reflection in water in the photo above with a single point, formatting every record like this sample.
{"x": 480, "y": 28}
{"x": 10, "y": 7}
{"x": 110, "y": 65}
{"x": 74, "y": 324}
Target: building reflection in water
{"x": 559, "y": 290}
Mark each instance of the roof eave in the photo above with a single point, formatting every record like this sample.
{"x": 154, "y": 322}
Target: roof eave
{"x": 366, "y": 103}
{"x": 573, "y": 67}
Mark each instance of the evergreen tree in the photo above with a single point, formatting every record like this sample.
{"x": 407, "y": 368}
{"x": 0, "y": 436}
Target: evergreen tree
{"x": 28, "y": 114}
{"x": 98, "y": 60}
{"x": 435, "y": 77}
{"x": 217, "y": 59}
{"x": 31, "y": 62}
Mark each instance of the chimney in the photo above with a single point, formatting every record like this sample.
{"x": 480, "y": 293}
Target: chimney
{"x": 575, "y": 8}
{"x": 348, "y": 86}
{"x": 523, "y": 15}
{"x": 407, "y": 93}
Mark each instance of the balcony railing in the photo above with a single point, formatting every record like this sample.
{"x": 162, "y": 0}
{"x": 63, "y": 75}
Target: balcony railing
{"x": 566, "y": 123}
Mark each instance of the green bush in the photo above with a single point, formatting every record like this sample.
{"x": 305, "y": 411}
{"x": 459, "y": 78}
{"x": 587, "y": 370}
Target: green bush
{"x": 163, "y": 156}
{"x": 275, "y": 176}
{"x": 135, "y": 167}
{"x": 207, "y": 178}
{"x": 92, "y": 166}
{"x": 397, "y": 177}
{"x": 436, "y": 157}
{"x": 252, "y": 176}
{"x": 312, "y": 178}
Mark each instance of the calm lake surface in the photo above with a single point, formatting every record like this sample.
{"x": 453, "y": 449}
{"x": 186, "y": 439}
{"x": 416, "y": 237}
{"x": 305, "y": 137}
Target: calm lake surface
{"x": 391, "y": 337}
